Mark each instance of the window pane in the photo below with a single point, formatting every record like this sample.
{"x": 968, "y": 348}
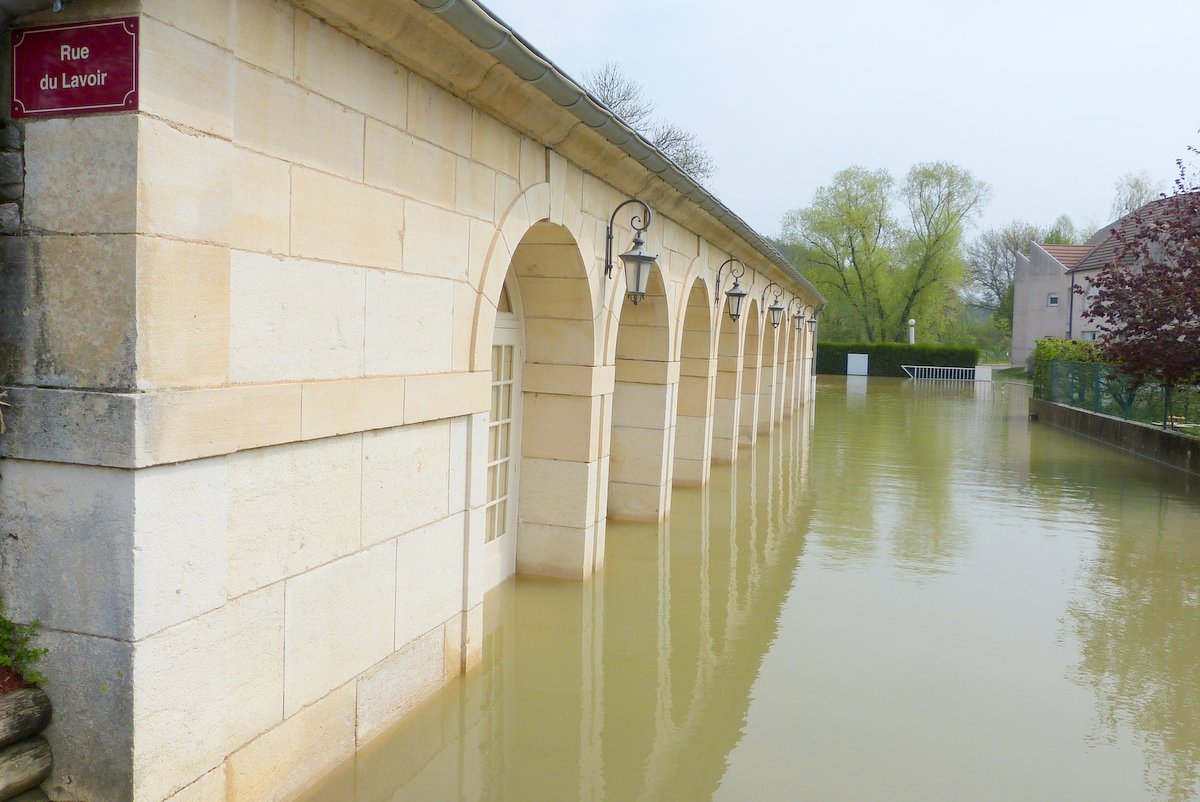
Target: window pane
{"x": 491, "y": 481}
{"x": 508, "y": 362}
{"x": 501, "y": 480}
{"x": 492, "y": 521}
{"x": 502, "y": 446}
{"x": 493, "y": 442}
{"x": 505, "y": 410}
{"x": 502, "y": 517}
{"x": 496, "y": 392}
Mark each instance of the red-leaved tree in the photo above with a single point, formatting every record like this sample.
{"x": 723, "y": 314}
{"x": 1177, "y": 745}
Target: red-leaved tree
{"x": 1146, "y": 301}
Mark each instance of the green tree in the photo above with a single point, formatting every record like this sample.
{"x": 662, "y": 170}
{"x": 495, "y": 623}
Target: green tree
{"x": 883, "y": 253}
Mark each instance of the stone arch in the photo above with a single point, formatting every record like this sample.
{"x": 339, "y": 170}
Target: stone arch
{"x": 751, "y": 370}
{"x": 697, "y": 377}
{"x": 559, "y": 458}
{"x": 646, "y": 379}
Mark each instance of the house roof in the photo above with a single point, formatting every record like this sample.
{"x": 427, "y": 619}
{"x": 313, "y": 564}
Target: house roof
{"x": 1105, "y": 240}
{"x": 1069, "y": 255}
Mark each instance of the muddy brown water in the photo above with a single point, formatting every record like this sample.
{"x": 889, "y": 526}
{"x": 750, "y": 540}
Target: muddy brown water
{"x": 908, "y": 593}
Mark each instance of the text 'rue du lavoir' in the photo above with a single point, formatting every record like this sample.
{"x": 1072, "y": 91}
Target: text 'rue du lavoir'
{"x": 67, "y": 53}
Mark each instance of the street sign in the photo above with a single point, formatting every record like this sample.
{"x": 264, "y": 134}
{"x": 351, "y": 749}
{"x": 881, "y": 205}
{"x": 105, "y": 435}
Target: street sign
{"x": 75, "y": 68}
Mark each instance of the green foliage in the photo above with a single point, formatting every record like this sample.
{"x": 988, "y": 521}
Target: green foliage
{"x": 885, "y": 359}
{"x": 884, "y": 252}
{"x": 1056, "y": 349}
{"x": 17, "y": 650}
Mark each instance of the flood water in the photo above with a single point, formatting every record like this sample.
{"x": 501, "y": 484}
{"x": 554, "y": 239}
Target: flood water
{"x": 909, "y": 593}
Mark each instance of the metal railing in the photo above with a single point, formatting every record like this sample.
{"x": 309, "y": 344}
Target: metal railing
{"x": 945, "y": 374}
{"x": 1098, "y": 387}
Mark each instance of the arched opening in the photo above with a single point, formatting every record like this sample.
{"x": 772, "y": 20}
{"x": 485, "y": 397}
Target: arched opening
{"x": 768, "y": 376}
{"x": 727, "y": 394}
{"x": 697, "y": 374}
{"x": 502, "y": 483}
{"x": 643, "y": 419}
{"x": 751, "y": 369}
{"x": 551, "y": 463}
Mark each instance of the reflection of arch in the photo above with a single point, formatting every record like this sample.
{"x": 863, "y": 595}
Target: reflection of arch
{"x": 643, "y": 407}
{"x": 697, "y": 373}
{"x": 559, "y": 456}
{"x": 751, "y": 369}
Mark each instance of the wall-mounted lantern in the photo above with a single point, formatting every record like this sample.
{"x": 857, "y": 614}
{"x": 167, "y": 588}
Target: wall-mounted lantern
{"x": 735, "y": 294}
{"x": 637, "y": 260}
{"x": 797, "y": 316}
{"x": 812, "y": 323}
{"x": 776, "y": 307}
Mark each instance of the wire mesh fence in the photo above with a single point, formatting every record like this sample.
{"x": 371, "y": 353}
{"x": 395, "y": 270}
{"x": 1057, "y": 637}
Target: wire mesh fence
{"x": 1098, "y": 387}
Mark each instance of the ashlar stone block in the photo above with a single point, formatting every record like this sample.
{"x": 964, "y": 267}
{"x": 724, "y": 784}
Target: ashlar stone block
{"x": 331, "y": 63}
{"x": 282, "y": 761}
{"x": 184, "y": 184}
{"x": 436, "y": 241}
{"x": 408, "y": 329}
{"x": 294, "y": 319}
{"x": 179, "y": 554}
{"x": 391, "y": 689}
{"x": 291, "y": 508}
{"x": 263, "y": 34}
{"x": 185, "y": 79}
{"x": 398, "y": 161}
{"x": 339, "y": 621}
{"x": 81, "y": 174}
{"x": 262, "y": 211}
{"x": 429, "y": 577}
{"x": 278, "y": 118}
{"x": 66, "y": 555}
{"x": 405, "y": 475}
{"x": 183, "y": 314}
{"x": 345, "y": 221}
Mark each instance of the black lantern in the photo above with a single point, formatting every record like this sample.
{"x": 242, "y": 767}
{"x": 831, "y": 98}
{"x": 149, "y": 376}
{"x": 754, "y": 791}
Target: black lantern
{"x": 812, "y": 324}
{"x": 776, "y": 307}
{"x": 798, "y": 315}
{"x": 735, "y": 294}
{"x": 637, "y": 259}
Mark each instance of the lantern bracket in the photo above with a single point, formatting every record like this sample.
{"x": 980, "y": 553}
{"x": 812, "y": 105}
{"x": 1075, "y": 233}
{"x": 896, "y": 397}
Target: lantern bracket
{"x": 639, "y": 223}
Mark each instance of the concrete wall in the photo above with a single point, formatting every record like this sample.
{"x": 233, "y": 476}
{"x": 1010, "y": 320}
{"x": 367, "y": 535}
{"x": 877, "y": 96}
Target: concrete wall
{"x": 1035, "y": 278}
{"x": 1161, "y": 445}
{"x": 247, "y": 333}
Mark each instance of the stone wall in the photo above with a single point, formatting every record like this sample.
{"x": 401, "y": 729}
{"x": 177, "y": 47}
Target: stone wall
{"x": 1161, "y": 445}
{"x": 248, "y": 345}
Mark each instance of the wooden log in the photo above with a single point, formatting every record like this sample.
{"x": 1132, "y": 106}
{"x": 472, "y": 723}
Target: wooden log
{"x": 23, "y": 766}
{"x": 23, "y": 713}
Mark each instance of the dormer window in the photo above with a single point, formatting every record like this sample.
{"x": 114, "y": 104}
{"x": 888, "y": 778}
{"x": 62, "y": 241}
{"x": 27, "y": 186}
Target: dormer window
{"x": 1052, "y": 300}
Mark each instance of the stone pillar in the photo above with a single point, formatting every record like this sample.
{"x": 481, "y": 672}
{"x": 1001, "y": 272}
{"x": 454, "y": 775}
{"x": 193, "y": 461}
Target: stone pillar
{"x": 643, "y": 439}
{"x": 563, "y": 466}
{"x": 727, "y": 397}
{"x": 751, "y": 372}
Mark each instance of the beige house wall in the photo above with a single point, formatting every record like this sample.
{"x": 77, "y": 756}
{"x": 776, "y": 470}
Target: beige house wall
{"x": 245, "y": 465}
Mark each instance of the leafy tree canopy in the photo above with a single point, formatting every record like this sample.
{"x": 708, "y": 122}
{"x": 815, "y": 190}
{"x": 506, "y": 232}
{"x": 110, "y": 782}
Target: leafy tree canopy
{"x": 884, "y": 252}
{"x": 1146, "y": 302}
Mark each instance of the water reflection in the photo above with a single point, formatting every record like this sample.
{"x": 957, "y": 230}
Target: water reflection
{"x": 917, "y": 596}
{"x": 1136, "y": 614}
{"x": 633, "y": 686}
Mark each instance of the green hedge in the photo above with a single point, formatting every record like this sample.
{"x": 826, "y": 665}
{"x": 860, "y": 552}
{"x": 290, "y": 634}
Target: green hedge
{"x": 885, "y": 359}
{"x": 1056, "y": 349}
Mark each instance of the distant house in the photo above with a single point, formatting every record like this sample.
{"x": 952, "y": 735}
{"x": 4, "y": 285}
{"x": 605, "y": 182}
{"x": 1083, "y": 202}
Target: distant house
{"x": 1044, "y": 303}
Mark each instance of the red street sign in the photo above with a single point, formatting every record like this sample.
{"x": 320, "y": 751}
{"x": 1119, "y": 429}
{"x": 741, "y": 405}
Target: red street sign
{"x": 75, "y": 68}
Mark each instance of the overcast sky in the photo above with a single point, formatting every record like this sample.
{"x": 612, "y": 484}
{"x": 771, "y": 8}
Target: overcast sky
{"x": 1048, "y": 101}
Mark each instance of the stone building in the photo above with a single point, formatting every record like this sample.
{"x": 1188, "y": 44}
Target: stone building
{"x": 313, "y": 348}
